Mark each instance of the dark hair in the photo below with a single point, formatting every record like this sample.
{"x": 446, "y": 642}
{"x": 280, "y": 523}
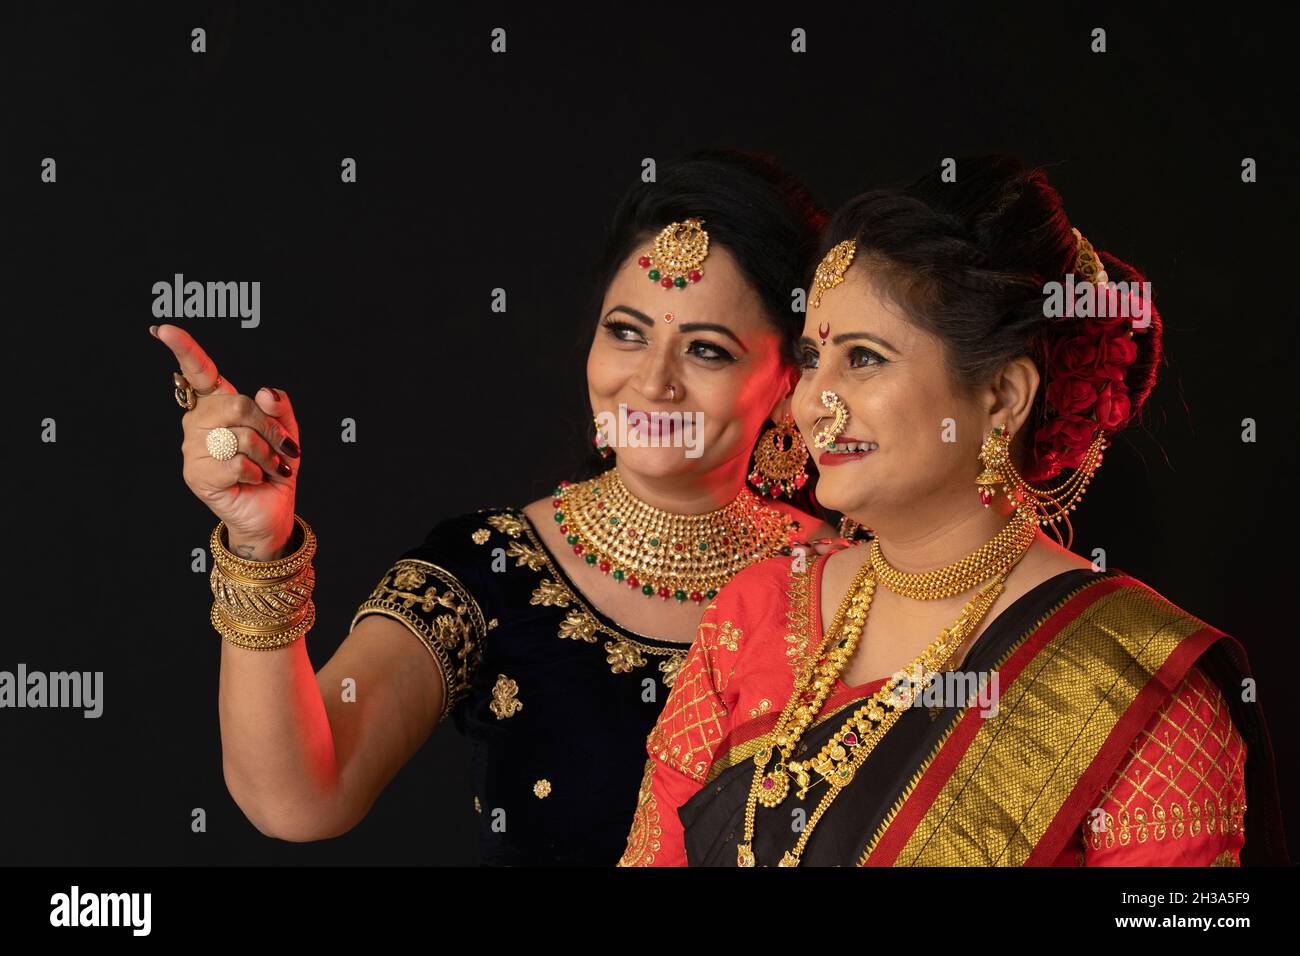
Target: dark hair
{"x": 968, "y": 261}
{"x": 766, "y": 219}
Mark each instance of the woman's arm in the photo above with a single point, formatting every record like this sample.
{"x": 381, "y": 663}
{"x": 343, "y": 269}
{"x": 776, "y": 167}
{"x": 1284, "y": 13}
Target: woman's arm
{"x": 302, "y": 759}
{"x": 306, "y": 755}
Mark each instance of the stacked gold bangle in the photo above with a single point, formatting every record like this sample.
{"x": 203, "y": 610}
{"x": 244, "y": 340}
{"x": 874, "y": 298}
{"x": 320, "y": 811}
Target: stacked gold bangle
{"x": 263, "y": 605}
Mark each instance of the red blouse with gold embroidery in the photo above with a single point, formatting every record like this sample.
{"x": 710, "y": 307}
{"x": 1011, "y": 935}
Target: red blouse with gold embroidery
{"x": 1180, "y": 795}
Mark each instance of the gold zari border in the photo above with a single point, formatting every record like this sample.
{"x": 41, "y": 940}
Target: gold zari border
{"x": 1052, "y": 722}
{"x": 454, "y": 636}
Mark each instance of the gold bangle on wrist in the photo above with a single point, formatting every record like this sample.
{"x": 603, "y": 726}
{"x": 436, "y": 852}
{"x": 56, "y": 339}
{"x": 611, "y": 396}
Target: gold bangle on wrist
{"x": 262, "y": 639}
{"x": 256, "y": 571}
{"x": 263, "y": 605}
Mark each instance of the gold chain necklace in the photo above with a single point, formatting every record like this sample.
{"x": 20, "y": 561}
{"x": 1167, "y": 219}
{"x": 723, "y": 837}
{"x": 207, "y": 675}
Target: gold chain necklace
{"x": 658, "y": 552}
{"x": 847, "y": 749}
{"x": 993, "y": 557}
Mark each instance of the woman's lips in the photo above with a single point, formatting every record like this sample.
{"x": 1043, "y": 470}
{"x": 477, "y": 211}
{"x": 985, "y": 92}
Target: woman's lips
{"x": 655, "y": 424}
{"x": 855, "y": 450}
{"x": 662, "y": 425}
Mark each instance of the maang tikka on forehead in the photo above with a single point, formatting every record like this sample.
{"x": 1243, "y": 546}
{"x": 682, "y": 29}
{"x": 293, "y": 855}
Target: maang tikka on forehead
{"x": 830, "y": 271}
{"x": 679, "y": 253}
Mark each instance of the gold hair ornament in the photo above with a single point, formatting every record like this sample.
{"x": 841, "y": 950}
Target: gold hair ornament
{"x": 830, "y": 271}
{"x": 679, "y": 253}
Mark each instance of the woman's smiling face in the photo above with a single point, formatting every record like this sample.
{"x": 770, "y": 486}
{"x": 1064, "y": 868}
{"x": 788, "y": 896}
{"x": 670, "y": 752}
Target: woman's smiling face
{"x": 719, "y": 352}
{"x": 920, "y": 437}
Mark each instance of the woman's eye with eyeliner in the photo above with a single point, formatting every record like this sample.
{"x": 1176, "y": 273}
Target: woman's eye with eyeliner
{"x": 865, "y": 358}
{"x": 808, "y": 359}
{"x": 622, "y": 332}
{"x": 710, "y": 352}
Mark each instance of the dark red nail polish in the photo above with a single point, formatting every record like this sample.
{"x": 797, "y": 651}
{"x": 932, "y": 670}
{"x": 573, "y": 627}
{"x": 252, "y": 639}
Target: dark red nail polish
{"x": 290, "y": 448}
{"x": 284, "y": 469}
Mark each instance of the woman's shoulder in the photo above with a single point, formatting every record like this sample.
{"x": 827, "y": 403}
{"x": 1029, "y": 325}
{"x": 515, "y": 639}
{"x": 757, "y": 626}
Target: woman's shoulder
{"x": 759, "y": 584}
{"x": 464, "y": 547}
{"x": 1133, "y": 605}
{"x": 769, "y": 602}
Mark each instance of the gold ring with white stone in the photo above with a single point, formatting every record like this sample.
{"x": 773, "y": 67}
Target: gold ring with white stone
{"x": 222, "y": 444}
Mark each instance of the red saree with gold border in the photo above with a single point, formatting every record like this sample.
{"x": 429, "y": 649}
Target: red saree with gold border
{"x": 1120, "y": 737}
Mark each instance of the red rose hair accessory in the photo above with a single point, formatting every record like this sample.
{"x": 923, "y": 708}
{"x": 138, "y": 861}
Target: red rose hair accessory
{"x": 1085, "y": 371}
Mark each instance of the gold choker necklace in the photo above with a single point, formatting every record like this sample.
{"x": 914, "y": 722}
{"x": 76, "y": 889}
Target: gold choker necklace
{"x": 658, "y": 552}
{"x": 993, "y": 557}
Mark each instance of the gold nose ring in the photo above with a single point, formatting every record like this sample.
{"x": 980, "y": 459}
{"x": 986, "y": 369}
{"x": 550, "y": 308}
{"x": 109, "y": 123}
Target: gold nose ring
{"x": 826, "y": 437}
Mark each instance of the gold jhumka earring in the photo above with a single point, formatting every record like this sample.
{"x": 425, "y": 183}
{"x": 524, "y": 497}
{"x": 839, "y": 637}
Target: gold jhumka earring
{"x": 1046, "y": 506}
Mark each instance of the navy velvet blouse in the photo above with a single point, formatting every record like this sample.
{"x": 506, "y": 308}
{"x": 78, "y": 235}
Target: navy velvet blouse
{"x": 555, "y": 698}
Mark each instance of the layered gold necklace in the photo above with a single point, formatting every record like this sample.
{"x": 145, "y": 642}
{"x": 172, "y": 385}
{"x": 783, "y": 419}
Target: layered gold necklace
{"x": 686, "y": 557}
{"x": 848, "y": 748}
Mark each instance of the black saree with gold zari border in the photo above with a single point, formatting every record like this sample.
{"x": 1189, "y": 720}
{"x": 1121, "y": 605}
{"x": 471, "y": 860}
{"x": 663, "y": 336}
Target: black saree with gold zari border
{"x": 1083, "y": 661}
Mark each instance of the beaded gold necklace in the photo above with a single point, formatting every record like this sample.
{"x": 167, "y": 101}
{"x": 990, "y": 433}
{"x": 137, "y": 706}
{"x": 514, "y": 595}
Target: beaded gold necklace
{"x": 848, "y": 748}
{"x": 993, "y": 557}
{"x": 658, "y": 552}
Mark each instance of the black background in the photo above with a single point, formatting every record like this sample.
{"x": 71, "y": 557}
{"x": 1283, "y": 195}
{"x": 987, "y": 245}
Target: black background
{"x": 479, "y": 171}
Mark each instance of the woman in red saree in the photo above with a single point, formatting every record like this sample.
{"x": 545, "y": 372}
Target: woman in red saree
{"x": 1065, "y": 715}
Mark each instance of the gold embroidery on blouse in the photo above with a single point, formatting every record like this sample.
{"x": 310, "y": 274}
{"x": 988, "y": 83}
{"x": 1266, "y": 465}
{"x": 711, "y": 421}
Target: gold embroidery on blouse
{"x": 444, "y": 616}
{"x": 581, "y": 622}
{"x": 643, "y": 839}
{"x": 729, "y": 635}
{"x": 1172, "y": 821}
{"x": 797, "y": 617}
{"x": 622, "y": 657}
{"x": 504, "y": 701}
{"x": 542, "y": 788}
{"x": 1173, "y": 812}
{"x": 1226, "y": 858}
{"x": 481, "y": 535}
{"x": 550, "y": 594}
{"x": 671, "y": 667}
{"x": 506, "y": 524}
{"x": 579, "y": 626}
{"x": 525, "y": 556}
{"x": 763, "y": 706}
{"x": 697, "y": 707}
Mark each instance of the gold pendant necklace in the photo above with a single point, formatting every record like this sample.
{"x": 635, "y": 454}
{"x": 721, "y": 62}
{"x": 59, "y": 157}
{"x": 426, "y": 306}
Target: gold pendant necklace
{"x": 687, "y": 557}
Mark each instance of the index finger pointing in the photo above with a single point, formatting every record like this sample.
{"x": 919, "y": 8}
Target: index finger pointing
{"x": 199, "y": 370}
